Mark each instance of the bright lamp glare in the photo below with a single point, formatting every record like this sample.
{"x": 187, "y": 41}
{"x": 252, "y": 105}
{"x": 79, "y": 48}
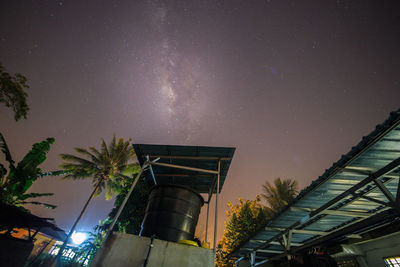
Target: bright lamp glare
{"x": 78, "y": 237}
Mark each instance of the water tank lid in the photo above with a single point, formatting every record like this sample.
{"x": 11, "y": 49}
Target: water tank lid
{"x": 180, "y": 186}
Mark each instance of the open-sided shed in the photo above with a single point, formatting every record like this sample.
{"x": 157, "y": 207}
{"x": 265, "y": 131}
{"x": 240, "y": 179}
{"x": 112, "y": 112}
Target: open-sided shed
{"x": 361, "y": 189}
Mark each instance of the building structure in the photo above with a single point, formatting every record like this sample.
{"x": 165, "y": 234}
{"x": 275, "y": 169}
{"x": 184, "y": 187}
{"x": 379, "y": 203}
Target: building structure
{"x": 351, "y": 212}
{"x": 200, "y": 169}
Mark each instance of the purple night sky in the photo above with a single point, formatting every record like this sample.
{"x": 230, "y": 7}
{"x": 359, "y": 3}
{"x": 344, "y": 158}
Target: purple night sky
{"x": 291, "y": 84}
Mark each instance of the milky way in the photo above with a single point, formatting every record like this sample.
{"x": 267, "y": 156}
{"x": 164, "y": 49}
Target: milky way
{"x": 178, "y": 78}
{"x": 292, "y": 85}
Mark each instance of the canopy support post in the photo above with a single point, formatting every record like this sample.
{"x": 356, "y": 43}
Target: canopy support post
{"x": 216, "y": 208}
{"x": 208, "y": 212}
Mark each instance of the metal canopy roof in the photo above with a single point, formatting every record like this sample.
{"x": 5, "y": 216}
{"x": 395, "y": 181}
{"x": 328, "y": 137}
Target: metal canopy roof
{"x": 362, "y": 184}
{"x": 193, "y": 157}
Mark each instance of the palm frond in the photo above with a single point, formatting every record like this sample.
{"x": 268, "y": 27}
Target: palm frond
{"x": 6, "y": 151}
{"x": 73, "y": 158}
{"x": 33, "y": 195}
{"x": 53, "y": 173}
{"x": 46, "y": 205}
{"x": 95, "y": 156}
{"x": 104, "y": 150}
{"x": 280, "y": 193}
{"x": 112, "y": 147}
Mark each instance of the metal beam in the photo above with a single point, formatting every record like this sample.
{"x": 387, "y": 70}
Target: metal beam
{"x": 261, "y": 262}
{"x": 375, "y": 200}
{"x": 189, "y": 157}
{"x": 385, "y": 191}
{"x": 203, "y": 176}
{"x": 336, "y": 212}
{"x": 356, "y": 236}
{"x": 289, "y": 240}
{"x": 391, "y": 139}
{"x": 275, "y": 242}
{"x": 237, "y": 261}
{"x": 363, "y": 173}
{"x": 298, "y": 231}
{"x": 152, "y": 175}
{"x": 263, "y": 250}
{"x": 386, "y": 215}
{"x": 182, "y": 167}
{"x": 373, "y": 176}
{"x": 398, "y": 193}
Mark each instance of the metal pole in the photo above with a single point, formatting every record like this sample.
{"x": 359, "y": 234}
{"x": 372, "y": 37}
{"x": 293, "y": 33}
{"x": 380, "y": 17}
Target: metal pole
{"x": 109, "y": 230}
{"x": 252, "y": 258}
{"x": 182, "y": 167}
{"x": 237, "y": 261}
{"x": 208, "y": 209}
{"x": 216, "y": 209}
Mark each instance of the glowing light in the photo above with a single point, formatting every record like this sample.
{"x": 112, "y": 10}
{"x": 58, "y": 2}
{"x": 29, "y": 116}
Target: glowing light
{"x": 78, "y": 237}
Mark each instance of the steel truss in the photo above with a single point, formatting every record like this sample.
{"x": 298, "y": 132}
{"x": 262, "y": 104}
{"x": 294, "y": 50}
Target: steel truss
{"x": 372, "y": 183}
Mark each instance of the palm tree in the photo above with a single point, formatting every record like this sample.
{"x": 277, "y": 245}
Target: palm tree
{"x": 110, "y": 169}
{"x": 279, "y": 194}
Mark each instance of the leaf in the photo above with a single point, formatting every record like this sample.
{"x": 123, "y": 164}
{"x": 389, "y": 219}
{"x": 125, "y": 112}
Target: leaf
{"x": 53, "y": 173}
{"x": 12, "y": 93}
{"x": 46, "y": 205}
{"x": 33, "y": 195}
{"x": 6, "y": 151}
{"x": 131, "y": 169}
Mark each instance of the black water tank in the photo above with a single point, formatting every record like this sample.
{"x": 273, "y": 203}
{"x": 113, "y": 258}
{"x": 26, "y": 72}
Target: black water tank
{"x": 172, "y": 213}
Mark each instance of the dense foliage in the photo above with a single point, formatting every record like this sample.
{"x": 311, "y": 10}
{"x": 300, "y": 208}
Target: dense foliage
{"x": 15, "y": 180}
{"x": 12, "y": 93}
{"x": 132, "y": 215}
{"x": 244, "y": 219}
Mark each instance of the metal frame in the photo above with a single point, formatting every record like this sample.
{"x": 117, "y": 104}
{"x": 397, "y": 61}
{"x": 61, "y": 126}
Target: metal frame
{"x": 284, "y": 235}
{"x": 214, "y": 189}
{"x": 352, "y": 191}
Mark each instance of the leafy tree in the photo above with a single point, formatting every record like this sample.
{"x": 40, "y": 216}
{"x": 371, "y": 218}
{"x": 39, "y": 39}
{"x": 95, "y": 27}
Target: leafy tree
{"x": 244, "y": 219}
{"x": 12, "y": 93}
{"x": 133, "y": 213}
{"x": 17, "y": 179}
{"x": 279, "y": 194}
{"x": 110, "y": 169}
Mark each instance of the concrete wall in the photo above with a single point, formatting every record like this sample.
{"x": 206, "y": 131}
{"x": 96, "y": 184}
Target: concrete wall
{"x": 130, "y": 250}
{"x": 371, "y": 253}
{"x": 375, "y": 250}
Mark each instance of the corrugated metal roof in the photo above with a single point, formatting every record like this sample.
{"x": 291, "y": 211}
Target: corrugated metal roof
{"x": 345, "y": 194}
{"x": 202, "y": 157}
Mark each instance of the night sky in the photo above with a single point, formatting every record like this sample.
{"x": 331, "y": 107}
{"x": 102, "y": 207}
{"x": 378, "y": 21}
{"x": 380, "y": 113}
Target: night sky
{"x": 291, "y": 84}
